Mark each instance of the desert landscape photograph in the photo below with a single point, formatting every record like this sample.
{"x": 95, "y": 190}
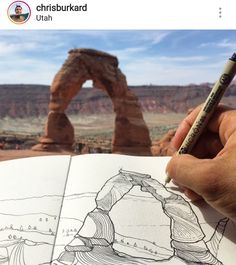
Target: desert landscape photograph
{"x": 69, "y": 93}
{"x": 77, "y": 92}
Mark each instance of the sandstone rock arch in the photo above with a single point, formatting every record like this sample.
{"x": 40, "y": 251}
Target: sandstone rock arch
{"x": 130, "y": 135}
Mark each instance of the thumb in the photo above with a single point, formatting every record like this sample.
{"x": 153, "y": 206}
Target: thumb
{"x": 191, "y": 172}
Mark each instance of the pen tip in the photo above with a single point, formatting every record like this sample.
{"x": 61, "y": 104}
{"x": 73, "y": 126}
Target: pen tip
{"x": 168, "y": 179}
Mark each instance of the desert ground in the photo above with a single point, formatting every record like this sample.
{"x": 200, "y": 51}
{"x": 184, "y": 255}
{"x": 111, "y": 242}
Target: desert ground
{"x": 92, "y": 131}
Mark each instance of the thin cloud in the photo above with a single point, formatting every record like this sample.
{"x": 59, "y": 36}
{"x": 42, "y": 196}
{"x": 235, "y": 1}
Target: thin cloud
{"x": 184, "y": 59}
{"x": 158, "y": 72}
{"x": 160, "y": 57}
{"x": 128, "y": 53}
{"x": 225, "y": 43}
{"x": 9, "y": 48}
{"x": 28, "y": 71}
{"x": 158, "y": 38}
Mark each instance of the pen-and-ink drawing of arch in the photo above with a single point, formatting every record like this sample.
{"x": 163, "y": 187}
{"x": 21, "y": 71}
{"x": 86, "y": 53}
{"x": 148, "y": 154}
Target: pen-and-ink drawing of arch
{"x": 96, "y": 237}
{"x": 131, "y": 134}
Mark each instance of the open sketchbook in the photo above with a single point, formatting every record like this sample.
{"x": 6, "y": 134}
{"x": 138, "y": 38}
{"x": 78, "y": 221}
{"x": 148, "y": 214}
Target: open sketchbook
{"x": 103, "y": 210}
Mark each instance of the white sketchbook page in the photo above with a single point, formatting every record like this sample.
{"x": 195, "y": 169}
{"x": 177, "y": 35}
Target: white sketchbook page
{"x": 107, "y": 219}
{"x": 31, "y": 194}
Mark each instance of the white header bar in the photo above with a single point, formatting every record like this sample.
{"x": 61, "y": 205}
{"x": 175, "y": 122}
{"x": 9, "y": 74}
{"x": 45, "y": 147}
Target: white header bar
{"x": 120, "y": 14}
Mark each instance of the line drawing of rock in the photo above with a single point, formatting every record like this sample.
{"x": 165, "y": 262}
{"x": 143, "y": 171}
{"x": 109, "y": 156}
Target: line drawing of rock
{"x": 130, "y": 135}
{"x": 93, "y": 243}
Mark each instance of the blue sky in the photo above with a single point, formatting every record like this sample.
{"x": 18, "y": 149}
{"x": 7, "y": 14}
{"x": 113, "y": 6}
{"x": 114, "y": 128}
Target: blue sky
{"x": 174, "y": 57}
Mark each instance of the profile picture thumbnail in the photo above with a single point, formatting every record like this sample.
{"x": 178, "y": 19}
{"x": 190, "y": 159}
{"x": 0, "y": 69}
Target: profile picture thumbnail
{"x": 19, "y": 12}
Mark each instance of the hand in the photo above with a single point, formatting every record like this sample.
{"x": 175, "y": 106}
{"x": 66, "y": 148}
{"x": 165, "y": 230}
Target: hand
{"x": 210, "y": 172}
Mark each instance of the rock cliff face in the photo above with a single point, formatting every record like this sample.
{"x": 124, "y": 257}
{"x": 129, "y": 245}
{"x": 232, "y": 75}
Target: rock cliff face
{"x": 20, "y": 101}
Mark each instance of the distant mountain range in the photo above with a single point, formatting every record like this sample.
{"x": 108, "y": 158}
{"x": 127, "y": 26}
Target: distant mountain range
{"x": 20, "y": 101}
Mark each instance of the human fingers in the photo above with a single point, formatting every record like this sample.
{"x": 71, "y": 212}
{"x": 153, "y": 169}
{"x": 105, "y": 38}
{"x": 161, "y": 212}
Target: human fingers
{"x": 193, "y": 196}
{"x": 183, "y": 129}
{"x": 222, "y": 118}
{"x": 198, "y": 175}
{"x": 207, "y": 146}
{"x": 223, "y": 122}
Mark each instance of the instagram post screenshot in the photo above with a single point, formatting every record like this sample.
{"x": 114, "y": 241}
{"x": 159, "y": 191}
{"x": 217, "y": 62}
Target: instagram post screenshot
{"x": 117, "y": 132}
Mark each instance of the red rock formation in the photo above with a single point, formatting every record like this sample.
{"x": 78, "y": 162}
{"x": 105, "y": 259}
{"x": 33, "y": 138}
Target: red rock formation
{"x": 162, "y": 147}
{"x": 131, "y": 135}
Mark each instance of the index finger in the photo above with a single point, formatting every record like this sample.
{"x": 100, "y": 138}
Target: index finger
{"x": 219, "y": 123}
